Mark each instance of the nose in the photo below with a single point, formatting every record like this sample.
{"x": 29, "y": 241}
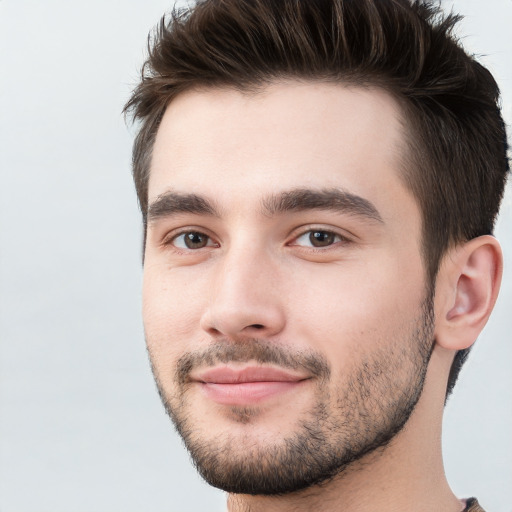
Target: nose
{"x": 244, "y": 300}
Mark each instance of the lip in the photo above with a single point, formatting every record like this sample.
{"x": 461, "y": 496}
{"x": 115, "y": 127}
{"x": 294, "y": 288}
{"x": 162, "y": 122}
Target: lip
{"x": 248, "y": 385}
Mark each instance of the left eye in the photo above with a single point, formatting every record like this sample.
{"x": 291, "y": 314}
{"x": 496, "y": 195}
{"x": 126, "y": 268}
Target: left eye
{"x": 192, "y": 240}
{"x": 318, "y": 238}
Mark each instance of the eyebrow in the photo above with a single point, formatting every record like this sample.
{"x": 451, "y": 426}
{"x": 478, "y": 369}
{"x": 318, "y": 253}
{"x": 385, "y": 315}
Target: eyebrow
{"x": 295, "y": 200}
{"x": 172, "y": 203}
{"x": 333, "y": 199}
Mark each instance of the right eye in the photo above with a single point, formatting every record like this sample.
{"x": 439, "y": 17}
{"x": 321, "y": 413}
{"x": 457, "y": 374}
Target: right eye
{"x": 192, "y": 240}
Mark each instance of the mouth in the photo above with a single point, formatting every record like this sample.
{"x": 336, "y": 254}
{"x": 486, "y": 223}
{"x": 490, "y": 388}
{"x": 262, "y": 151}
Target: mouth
{"x": 247, "y": 385}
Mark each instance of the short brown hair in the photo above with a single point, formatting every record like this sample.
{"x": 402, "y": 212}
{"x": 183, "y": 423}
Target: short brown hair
{"x": 457, "y": 164}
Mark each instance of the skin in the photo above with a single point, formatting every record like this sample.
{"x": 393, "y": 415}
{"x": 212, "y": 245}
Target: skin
{"x": 259, "y": 276}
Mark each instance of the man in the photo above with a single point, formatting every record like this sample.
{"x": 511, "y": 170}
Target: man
{"x": 319, "y": 183}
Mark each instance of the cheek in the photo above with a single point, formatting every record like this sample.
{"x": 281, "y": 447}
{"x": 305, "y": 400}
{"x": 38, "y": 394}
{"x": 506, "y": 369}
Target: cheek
{"x": 357, "y": 308}
{"x": 171, "y": 306}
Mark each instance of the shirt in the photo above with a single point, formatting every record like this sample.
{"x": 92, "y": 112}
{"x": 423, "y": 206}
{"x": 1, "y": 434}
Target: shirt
{"x": 473, "y": 506}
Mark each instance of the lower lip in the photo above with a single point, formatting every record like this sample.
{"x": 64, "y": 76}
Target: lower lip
{"x": 245, "y": 393}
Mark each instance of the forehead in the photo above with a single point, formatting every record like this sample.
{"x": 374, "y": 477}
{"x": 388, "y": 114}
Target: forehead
{"x": 223, "y": 142}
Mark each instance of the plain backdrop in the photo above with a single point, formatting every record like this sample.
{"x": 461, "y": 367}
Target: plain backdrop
{"x": 81, "y": 426}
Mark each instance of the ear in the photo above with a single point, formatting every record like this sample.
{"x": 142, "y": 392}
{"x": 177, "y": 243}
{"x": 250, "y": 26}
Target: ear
{"x": 467, "y": 287}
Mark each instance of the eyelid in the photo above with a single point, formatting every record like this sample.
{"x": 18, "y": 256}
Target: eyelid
{"x": 304, "y": 230}
{"x": 169, "y": 237}
{"x": 344, "y": 237}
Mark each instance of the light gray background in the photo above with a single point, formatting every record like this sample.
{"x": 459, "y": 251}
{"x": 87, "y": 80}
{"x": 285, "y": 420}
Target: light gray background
{"x": 81, "y": 426}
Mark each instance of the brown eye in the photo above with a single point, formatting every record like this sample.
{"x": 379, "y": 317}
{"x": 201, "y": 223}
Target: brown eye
{"x": 321, "y": 238}
{"x": 192, "y": 240}
{"x": 318, "y": 238}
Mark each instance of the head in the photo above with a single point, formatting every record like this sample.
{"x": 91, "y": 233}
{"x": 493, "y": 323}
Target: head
{"x": 448, "y": 155}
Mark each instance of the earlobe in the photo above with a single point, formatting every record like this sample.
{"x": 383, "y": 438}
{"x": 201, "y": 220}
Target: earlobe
{"x": 466, "y": 291}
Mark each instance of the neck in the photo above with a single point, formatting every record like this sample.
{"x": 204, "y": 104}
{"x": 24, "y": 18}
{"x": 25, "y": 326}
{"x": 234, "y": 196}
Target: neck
{"x": 406, "y": 475}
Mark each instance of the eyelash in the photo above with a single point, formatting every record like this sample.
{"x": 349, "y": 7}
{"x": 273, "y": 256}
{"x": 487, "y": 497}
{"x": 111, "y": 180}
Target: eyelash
{"x": 337, "y": 239}
{"x": 170, "y": 240}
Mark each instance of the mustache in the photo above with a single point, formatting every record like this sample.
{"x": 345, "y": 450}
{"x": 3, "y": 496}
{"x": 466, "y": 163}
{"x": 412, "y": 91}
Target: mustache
{"x": 257, "y": 350}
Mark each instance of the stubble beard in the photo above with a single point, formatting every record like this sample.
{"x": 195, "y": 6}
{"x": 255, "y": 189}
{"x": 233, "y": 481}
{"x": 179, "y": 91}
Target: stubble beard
{"x": 375, "y": 402}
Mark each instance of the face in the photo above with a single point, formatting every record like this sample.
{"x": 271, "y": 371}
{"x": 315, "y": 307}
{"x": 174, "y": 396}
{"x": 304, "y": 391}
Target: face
{"x": 284, "y": 296}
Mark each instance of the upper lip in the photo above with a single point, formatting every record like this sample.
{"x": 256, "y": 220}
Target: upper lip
{"x": 234, "y": 375}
